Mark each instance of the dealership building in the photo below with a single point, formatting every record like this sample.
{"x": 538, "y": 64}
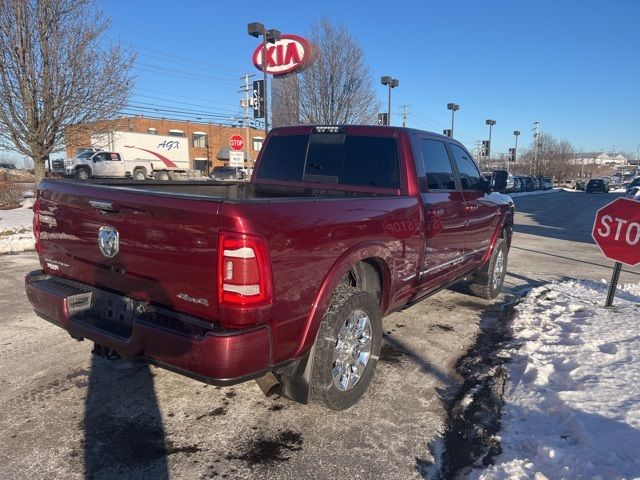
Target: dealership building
{"x": 208, "y": 142}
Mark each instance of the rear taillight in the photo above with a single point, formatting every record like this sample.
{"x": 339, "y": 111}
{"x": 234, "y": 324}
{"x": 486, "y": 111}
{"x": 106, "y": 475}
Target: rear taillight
{"x": 244, "y": 276}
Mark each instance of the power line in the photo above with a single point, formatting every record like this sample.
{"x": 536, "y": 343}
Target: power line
{"x": 213, "y": 107}
{"x": 179, "y": 74}
{"x": 175, "y": 95}
{"x": 163, "y": 108}
{"x": 163, "y": 54}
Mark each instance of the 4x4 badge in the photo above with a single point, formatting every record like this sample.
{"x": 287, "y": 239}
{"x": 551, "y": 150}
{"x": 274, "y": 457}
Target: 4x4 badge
{"x": 108, "y": 241}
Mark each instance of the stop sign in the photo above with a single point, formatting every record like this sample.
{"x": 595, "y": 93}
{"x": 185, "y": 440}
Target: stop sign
{"x": 236, "y": 142}
{"x": 616, "y": 230}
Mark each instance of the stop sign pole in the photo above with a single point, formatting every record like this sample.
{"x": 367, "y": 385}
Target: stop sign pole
{"x": 616, "y": 230}
{"x": 613, "y": 286}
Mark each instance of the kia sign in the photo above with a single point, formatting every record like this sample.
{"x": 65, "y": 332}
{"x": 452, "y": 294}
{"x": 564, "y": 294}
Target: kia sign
{"x": 286, "y": 55}
{"x": 236, "y": 142}
{"x": 616, "y": 230}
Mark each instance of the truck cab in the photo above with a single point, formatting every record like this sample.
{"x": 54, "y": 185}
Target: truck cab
{"x": 90, "y": 163}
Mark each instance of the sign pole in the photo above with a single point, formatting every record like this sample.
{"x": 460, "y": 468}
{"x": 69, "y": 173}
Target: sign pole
{"x": 614, "y": 284}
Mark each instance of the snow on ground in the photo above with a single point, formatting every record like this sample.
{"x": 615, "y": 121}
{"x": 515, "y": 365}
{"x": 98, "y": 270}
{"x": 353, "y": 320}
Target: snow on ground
{"x": 572, "y": 402}
{"x": 16, "y": 229}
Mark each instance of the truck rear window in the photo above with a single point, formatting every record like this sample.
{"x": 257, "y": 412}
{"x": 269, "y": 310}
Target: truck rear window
{"x": 332, "y": 158}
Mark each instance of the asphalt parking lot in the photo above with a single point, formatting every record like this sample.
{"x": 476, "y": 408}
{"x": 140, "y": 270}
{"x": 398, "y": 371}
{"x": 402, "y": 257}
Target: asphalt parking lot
{"x": 66, "y": 414}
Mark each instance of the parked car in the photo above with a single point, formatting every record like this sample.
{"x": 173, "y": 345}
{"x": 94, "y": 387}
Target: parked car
{"x": 597, "y": 185}
{"x": 225, "y": 174}
{"x": 530, "y": 184}
{"x": 284, "y": 279}
{"x": 579, "y": 184}
{"x": 517, "y": 184}
{"x": 634, "y": 183}
{"x": 634, "y": 192}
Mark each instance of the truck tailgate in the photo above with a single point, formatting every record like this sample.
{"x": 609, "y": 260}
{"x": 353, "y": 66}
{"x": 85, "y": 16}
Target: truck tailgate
{"x": 167, "y": 243}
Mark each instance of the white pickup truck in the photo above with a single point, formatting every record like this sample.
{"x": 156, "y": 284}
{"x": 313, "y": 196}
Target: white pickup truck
{"x": 102, "y": 164}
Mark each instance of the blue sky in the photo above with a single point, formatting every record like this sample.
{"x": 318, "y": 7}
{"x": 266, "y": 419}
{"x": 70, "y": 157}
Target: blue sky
{"x": 572, "y": 65}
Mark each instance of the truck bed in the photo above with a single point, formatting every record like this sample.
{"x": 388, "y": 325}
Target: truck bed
{"x": 236, "y": 191}
{"x": 168, "y": 234}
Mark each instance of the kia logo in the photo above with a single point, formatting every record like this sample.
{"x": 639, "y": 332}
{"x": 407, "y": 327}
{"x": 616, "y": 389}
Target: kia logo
{"x": 284, "y": 56}
{"x": 108, "y": 241}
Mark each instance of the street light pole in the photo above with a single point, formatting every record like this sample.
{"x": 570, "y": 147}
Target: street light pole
{"x": 491, "y": 123}
{"x": 453, "y": 107}
{"x": 391, "y": 83}
{"x": 515, "y": 152}
{"x": 256, "y": 29}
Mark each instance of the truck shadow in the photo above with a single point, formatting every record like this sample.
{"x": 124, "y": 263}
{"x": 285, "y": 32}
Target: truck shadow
{"x": 124, "y": 434}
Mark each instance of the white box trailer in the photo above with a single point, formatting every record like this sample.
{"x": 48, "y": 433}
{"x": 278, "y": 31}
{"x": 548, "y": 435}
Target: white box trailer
{"x": 129, "y": 154}
{"x": 171, "y": 152}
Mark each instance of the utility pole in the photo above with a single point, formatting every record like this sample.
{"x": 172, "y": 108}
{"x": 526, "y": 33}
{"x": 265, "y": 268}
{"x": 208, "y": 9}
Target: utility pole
{"x": 536, "y": 135}
{"x": 246, "y": 104}
{"x": 405, "y": 114}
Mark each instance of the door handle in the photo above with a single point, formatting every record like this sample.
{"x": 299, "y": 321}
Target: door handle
{"x": 436, "y": 211}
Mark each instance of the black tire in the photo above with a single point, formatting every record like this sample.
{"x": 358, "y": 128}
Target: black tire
{"x": 162, "y": 176}
{"x": 485, "y": 284}
{"x": 83, "y": 173}
{"x": 345, "y": 301}
{"x": 139, "y": 174}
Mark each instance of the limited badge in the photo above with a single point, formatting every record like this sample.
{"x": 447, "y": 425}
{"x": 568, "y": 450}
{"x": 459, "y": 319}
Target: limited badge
{"x": 108, "y": 241}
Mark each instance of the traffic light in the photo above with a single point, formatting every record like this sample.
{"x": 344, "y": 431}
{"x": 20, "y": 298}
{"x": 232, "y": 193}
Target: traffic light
{"x": 382, "y": 119}
{"x": 486, "y": 148}
{"x": 512, "y": 155}
{"x": 447, "y": 132}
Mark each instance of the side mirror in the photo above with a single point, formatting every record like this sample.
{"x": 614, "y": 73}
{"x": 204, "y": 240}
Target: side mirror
{"x": 501, "y": 180}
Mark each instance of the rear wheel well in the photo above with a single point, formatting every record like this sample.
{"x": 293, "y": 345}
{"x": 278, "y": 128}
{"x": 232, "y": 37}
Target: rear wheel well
{"x": 365, "y": 275}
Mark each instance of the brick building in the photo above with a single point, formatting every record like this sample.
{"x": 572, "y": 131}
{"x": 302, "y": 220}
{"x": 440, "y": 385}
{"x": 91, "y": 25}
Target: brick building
{"x": 208, "y": 142}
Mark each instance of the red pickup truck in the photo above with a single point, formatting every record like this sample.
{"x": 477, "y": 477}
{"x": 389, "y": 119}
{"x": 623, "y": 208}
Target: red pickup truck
{"x": 284, "y": 279}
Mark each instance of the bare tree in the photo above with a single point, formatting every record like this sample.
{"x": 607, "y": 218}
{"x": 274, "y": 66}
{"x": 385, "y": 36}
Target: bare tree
{"x": 337, "y": 88}
{"x": 55, "y": 73}
{"x": 554, "y": 158}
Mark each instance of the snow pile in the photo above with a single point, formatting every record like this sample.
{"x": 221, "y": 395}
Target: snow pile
{"x": 16, "y": 227}
{"x": 572, "y": 403}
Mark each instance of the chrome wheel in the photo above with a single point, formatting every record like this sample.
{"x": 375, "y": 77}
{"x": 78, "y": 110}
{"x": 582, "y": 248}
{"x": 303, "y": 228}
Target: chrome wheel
{"x": 352, "y": 350}
{"x": 498, "y": 268}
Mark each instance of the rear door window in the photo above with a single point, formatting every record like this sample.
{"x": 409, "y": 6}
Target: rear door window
{"x": 470, "y": 177}
{"x": 436, "y": 165}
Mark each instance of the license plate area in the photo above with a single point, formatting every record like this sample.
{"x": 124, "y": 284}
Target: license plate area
{"x": 111, "y": 313}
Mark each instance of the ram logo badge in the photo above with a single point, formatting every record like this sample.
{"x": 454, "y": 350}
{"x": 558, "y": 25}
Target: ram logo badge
{"x": 109, "y": 241}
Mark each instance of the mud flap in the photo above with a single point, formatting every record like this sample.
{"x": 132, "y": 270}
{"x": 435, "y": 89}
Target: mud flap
{"x": 295, "y": 378}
